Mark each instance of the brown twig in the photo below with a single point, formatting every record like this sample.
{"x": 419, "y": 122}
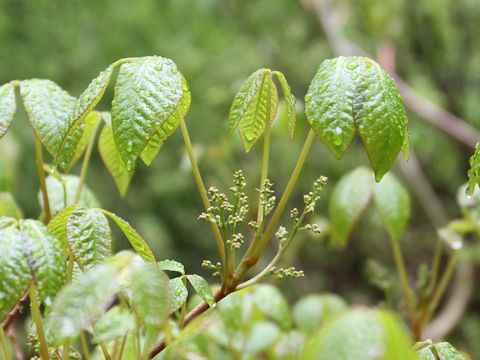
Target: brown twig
{"x": 198, "y": 310}
{"x": 12, "y": 334}
{"x": 17, "y": 310}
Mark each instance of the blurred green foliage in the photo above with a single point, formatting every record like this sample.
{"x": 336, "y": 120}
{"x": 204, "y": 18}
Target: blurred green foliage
{"x": 217, "y": 44}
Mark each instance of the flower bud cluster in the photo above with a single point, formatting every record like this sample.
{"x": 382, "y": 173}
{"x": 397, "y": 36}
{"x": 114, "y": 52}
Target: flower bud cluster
{"x": 288, "y": 272}
{"x": 313, "y": 196}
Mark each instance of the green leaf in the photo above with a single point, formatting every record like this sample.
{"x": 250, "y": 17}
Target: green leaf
{"x": 45, "y": 258}
{"x": 171, "y": 265}
{"x": 398, "y": 344}
{"x": 355, "y": 93}
{"x": 48, "y": 108}
{"x": 7, "y": 107}
{"x": 289, "y": 101}
{"x": 58, "y": 227}
{"x": 349, "y": 198}
{"x": 202, "y": 288}
{"x": 329, "y": 102}
{"x": 72, "y": 311}
{"x": 474, "y": 171}
{"x": 147, "y": 92}
{"x": 167, "y": 128}
{"x": 87, "y": 101}
{"x": 254, "y": 108}
{"x": 380, "y": 117}
{"x": 89, "y": 237}
{"x": 137, "y": 242}
{"x": 15, "y": 276}
{"x": 9, "y": 207}
{"x": 113, "y": 161}
{"x": 179, "y": 292}
{"x": 261, "y": 337}
{"x": 150, "y": 293}
{"x": 313, "y": 310}
{"x": 85, "y": 134}
{"x": 446, "y": 351}
{"x": 114, "y": 324}
{"x": 62, "y": 194}
{"x": 272, "y": 303}
{"x": 393, "y": 204}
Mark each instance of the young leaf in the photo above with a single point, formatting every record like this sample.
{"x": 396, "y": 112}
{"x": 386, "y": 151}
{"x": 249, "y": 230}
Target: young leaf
{"x": 329, "y": 102}
{"x": 48, "y": 108}
{"x": 7, "y": 107}
{"x": 150, "y": 293}
{"x": 393, "y": 204}
{"x": 202, "y": 288}
{"x": 62, "y": 194}
{"x": 262, "y": 335}
{"x": 397, "y": 342}
{"x": 179, "y": 293}
{"x": 289, "y": 101}
{"x": 89, "y": 237}
{"x": 72, "y": 311}
{"x": 168, "y": 127}
{"x": 171, "y": 265}
{"x": 349, "y": 198}
{"x": 474, "y": 171}
{"x": 9, "y": 207}
{"x": 254, "y": 108}
{"x": 15, "y": 276}
{"x": 58, "y": 227}
{"x": 448, "y": 352}
{"x": 147, "y": 92}
{"x": 45, "y": 258}
{"x": 137, "y": 242}
{"x": 113, "y": 161}
{"x": 380, "y": 117}
{"x": 271, "y": 302}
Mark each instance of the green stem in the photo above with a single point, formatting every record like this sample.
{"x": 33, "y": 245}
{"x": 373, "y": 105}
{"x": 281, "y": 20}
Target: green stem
{"x": 105, "y": 351}
{"x": 122, "y": 347}
{"x": 402, "y": 273}
{"x": 35, "y": 310}
{"x": 183, "y": 311}
{"x": 41, "y": 176}
{"x": 83, "y": 339}
{"x": 200, "y": 185}
{"x": 86, "y": 160}
{"x": 66, "y": 345}
{"x": 435, "y": 266}
{"x": 256, "y": 248}
{"x": 4, "y": 344}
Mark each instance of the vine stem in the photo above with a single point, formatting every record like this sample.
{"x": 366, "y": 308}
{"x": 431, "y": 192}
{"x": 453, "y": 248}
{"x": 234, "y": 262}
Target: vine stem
{"x": 83, "y": 339}
{"x": 200, "y": 185}
{"x": 255, "y": 249}
{"x": 35, "y": 310}
{"x": 402, "y": 273}
{"x": 41, "y": 176}
{"x": 4, "y": 344}
{"x": 86, "y": 160}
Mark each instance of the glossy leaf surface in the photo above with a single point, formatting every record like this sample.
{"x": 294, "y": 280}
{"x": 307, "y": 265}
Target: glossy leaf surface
{"x": 147, "y": 92}
{"x": 150, "y": 293}
{"x": 171, "y": 265}
{"x": 202, "y": 288}
{"x": 393, "y": 204}
{"x": 58, "y": 227}
{"x": 48, "y": 108}
{"x": 45, "y": 258}
{"x": 474, "y": 171}
{"x": 83, "y": 301}
{"x": 168, "y": 127}
{"x": 113, "y": 161}
{"x": 354, "y": 93}
{"x": 89, "y": 237}
{"x": 179, "y": 293}
{"x": 137, "y": 242}
{"x": 349, "y": 198}
{"x": 272, "y": 303}
{"x": 7, "y": 107}
{"x": 251, "y": 114}
{"x": 15, "y": 276}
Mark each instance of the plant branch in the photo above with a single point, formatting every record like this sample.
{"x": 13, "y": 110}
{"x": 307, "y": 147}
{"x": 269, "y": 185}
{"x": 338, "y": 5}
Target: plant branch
{"x": 200, "y": 185}
{"x": 256, "y": 249}
{"x": 15, "y": 312}
{"x": 41, "y": 176}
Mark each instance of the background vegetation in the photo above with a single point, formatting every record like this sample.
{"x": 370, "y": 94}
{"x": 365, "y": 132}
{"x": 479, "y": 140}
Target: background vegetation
{"x": 216, "y": 44}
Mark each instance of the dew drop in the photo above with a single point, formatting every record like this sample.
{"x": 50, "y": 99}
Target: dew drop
{"x": 130, "y": 146}
{"x": 129, "y": 165}
{"x": 338, "y": 130}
